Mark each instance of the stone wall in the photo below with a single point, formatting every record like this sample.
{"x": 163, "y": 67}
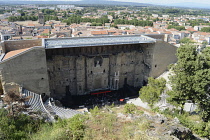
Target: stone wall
{"x": 20, "y": 44}
{"x": 27, "y": 69}
{"x": 164, "y": 54}
{"x": 79, "y": 71}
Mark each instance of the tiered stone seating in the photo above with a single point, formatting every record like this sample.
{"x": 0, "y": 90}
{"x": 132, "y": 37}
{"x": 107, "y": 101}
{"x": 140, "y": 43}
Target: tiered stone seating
{"x": 36, "y": 104}
{"x": 35, "y": 101}
{"x": 65, "y": 113}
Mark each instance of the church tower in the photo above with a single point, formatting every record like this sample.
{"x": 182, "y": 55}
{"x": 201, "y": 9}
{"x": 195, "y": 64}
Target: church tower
{"x": 41, "y": 18}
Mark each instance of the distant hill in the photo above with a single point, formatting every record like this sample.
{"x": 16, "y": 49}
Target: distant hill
{"x": 103, "y": 2}
{"x": 86, "y": 2}
{"x": 111, "y": 2}
{"x": 191, "y": 5}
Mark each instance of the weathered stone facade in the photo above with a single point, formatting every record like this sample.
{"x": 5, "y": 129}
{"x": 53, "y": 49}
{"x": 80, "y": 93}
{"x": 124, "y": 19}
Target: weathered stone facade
{"x": 78, "y": 66}
{"x": 84, "y": 69}
{"x": 27, "y": 69}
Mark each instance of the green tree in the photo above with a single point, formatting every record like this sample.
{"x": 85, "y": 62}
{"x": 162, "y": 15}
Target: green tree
{"x": 64, "y": 14}
{"x": 151, "y": 93}
{"x": 22, "y": 18}
{"x": 93, "y": 24}
{"x": 191, "y": 79}
{"x": 176, "y": 27}
{"x": 19, "y": 128}
{"x": 205, "y": 29}
{"x": 183, "y": 70}
{"x": 205, "y": 43}
{"x": 186, "y": 40}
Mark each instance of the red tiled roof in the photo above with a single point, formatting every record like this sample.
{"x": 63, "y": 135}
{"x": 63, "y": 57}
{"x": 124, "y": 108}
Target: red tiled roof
{"x": 203, "y": 33}
{"x": 13, "y": 53}
{"x": 99, "y": 32}
{"x": 42, "y": 36}
{"x": 111, "y": 31}
{"x": 31, "y": 24}
{"x": 46, "y": 31}
{"x": 190, "y": 29}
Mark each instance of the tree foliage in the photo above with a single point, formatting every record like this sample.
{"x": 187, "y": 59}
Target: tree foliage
{"x": 176, "y": 27}
{"x": 134, "y": 22}
{"x": 22, "y": 18}
{"x": 151, "y": 93}
{"x": 48, "y": 17}
{"x": 191, "y": 79}
{"x": 78, "y": 19}
{"x": 19, "y": 128}
{"x": 173, "y": 11}
{"x": 186, "y": 40}
{"x": 49, "y": 12}
{"x": 205, "y": 29}
{"x": 196, "y": 22}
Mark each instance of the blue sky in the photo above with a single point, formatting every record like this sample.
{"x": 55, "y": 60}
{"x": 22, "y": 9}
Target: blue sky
{"x": 165, "y": 2}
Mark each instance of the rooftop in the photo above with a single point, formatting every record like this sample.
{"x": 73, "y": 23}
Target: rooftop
{"x": 95, "y": 41}
{"x": 13, "y": 53}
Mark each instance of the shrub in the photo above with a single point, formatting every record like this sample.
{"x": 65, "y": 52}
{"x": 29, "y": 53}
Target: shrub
{"x": 140, "y": 112}
{"x": 156, "y": 109}
{"x": 19, "y": 127}
{"x": 144, "y": 125}
{"x": 94, "y": 111}
{"x": 76, "y": 127}
{"x": 130, "y": 108}
{"x": 63, "y": 129}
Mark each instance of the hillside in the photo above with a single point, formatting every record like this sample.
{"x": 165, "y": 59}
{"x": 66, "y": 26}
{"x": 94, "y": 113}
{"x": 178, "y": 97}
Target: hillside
{"x": 126, "y": 122}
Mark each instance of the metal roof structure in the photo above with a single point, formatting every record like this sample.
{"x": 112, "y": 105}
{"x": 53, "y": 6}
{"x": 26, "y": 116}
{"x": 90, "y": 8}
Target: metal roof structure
{"x": 95, "y": 41}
